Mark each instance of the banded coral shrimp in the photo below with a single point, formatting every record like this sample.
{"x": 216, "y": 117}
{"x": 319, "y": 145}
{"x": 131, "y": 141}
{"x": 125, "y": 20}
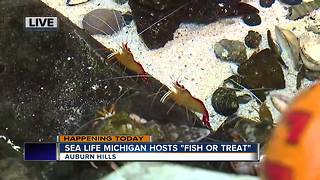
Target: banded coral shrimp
{"x": 180, "y": 95}
{"x": 123, "y": 55}
{"x": 232, "y": 9}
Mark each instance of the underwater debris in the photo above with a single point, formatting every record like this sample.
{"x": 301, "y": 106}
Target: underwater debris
{"x": 301, "y": 10}
{"x": 103, "y": 21}
{"x": 181, "y": 96}
{"x": 266, "y": 3}
{"x": 253, "y": 39}
{"x": 252, "y": 19}
{"x": 157, "y": 20}
{"x": 230, "y": 50}
{"x": 225, "y": 101}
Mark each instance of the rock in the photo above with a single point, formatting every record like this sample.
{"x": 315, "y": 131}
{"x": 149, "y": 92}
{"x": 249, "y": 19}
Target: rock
{"x": 262, "y": 70}
{"x": 127, "y": 17}
{"x": 155, "y": 35}
{"x": 120, "y": 1}
{"x": 12, "y": 168}
{"x": 225, "y": 101}
{"x": 253, "y": 39}
{"x": 230, "y": 50}
{"x": 291, "y": 2}
{"x": 300, "y": 10}
{"x": 315, "y": 29}
{"x": 103, "y": 21}
{"x": 266, "y": 3}
{"x": 252, "y": 19}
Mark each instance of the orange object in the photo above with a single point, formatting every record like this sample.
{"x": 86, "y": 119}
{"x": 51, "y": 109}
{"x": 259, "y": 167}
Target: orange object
{"x": 293, "y": 152}
{"x": 126, "y": 59}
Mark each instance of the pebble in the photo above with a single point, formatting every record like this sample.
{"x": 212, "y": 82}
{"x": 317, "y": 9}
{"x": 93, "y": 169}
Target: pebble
{"x": 253, "y": 39}
{"x": 291, "y": 2}
{"x": 230, "y": 50}
{"x": 127, "y": 17}
{"x": 225, "y": 101}
{"x": 266, "y": 3}
{"x": 120, "y": 1}
{"x": 252, "y": 19}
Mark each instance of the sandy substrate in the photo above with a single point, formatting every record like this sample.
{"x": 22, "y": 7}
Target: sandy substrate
{"x": 189, "y": 58}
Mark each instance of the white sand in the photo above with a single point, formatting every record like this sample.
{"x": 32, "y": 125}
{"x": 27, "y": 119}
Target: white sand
{"x": 189, "y": 58}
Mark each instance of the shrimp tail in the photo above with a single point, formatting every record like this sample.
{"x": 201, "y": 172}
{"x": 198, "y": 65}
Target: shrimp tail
{"x": 205, "y": 118}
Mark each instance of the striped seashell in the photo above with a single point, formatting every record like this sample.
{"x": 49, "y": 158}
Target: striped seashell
{"x": 103, "y": 21}
{"x": 303, "y": 9}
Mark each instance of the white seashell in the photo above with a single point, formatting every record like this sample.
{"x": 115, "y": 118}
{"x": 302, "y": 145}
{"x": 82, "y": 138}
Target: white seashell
{"x": 290, "y": 44}
{"x": 310, "y": 51}
{"x": 280, "y": 102}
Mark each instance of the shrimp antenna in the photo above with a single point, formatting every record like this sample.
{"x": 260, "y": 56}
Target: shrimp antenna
{"x": 123, "y": 77}
{"x": 246, "y": 89}
{"x": 165, "y": 96}
{"x": 115, "y": 16}
{"x": 182, "y": 6}
{"x": 98, "y": 29}
{"x": 171, "y": 107}
{"x": 155, "y": 95}
{"x": 104, "y": 21}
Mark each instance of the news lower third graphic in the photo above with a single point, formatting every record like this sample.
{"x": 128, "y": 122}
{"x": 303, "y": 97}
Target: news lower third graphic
{"x": 41, "y": 23}
{"x": 136, "y": 148}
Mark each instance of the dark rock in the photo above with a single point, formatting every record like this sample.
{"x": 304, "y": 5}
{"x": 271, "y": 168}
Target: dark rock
{"x": 155, "y": 35}
{"x": 291, "y": 2}
{"x": 229, "y": 50}
{"x": 312, "y": 75}
{"x": 225, "y": 101}
{"x": 127, "y": 17}
{"x": 243, "y": 99}
{"x": 103, "y": 21}
{"x": 13, "y": 168}
{"x": 2, "y": 68}
{"x": 252, "y": 19}
{"x": 266, "y": 3}
{"x": 262, "y": 70}
{"x": 253, "y": 39}
{"x": 121, "y": 1}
